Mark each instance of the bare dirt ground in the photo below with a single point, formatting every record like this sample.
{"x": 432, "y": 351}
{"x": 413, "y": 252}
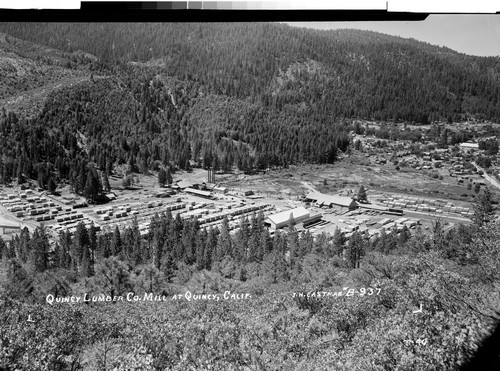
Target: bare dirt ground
{"x": 349, "y": 174}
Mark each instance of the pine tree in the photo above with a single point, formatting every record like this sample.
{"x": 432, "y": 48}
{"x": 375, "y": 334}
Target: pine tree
{"x": 144, "y": 165}
{"x": 91, "y": 190}
{"x": 127, "y": 181}
{"x": 241, "y": 241}
{"x": 52, "y": 186}
{"x": 105, "y": 182}
{"x": 39, "y": 249}
{"x": 175, "y": 238}
{"x": 306, "y": 243}
{"x": 254, "y": 239}
{"x": 268, "y": 267}
{"x": 382, "y": 242}
{"x": 169, "y": 176}
{"x": 279, "y": 250}
{"x": 224, "y": 243}
{"x": 201, "y": 241}
{"x": 321, "y": 245}
{"x": 266, "y": 245}
{"x": 92, "y": 233}
{"x": 362, "y": 194}
{"x": 23, "y": 245}
{"x": 404, "y": 236}
{"x": 355, "y": 249}
{"x": 477, "y": 188}
{"x": 291, "y": 221}
{"x": 127, "y": 252}
{"x": 116, "y": 243}
{"x": 18, "y": 283}
{"x": 81, "y": 179}
{"x": 112, "y": 277}
{"x": 102, "y": 249}
{"x": 138, "y": 252}
{"x": 3, "y": 249}
{"x": 157, "y": 248}
{"x": 189, "y": 236}
{"x": 419, "y": 243}
{"x": 483, "y": 208}
{"x": 168, "y": 267}
{"x": 293, "y": 246}
{"x": 438, "y": 237}
{"x": 211, "y": 246}
{"x": 41, "y": 177}
{"x": 65, "y": 242}
{"x": 85, "y": 270}
{"x": 79, "y": 244}
{"x": 338, "y": 242}
{"x": 162, "y": 177}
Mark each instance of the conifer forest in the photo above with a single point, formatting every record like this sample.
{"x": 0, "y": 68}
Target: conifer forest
{"x": 108, "y": 261}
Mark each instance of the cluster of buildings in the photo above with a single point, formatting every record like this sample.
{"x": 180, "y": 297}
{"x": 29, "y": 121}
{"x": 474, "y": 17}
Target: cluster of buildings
{"x": 205, "y": 189}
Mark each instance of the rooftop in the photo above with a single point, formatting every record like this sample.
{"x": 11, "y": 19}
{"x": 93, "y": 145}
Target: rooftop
{"x": 8, "y": 223}
{"x": 469, "y": 145}
{"x": 321, "y": 198}
{"x": 284, "y": 216}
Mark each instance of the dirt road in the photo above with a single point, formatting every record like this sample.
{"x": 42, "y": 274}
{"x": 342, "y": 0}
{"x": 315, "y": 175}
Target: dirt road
{"x": 308, "y": 186}
{"x": 490, "y": 179}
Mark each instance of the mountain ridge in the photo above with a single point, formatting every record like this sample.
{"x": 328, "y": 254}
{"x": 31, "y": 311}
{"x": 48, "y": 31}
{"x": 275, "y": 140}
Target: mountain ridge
{"x": 383, "y": 72}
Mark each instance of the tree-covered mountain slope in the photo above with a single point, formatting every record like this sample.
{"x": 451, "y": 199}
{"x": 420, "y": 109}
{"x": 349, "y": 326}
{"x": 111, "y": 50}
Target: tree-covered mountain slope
{"x": 345, "y": 72}
{"x": 217, "y": 95}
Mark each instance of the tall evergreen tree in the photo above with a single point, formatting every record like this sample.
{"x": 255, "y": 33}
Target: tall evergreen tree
{"x": 168, "y": 176}
{"x": 265, "y": 243}
{"x": 168, "y": 267}
{"x": 162, "y": 177}
{"x": 338, "y": 242}
{"x": 92, "y": 232}
{"x": 201, "y": 241}
{"x": 211, "y": 246}
{"x": 65, "y": 243}
{"x": 362, "y": 194}
{"x": 157, "y": 248}
{"x": 92, "y": 186}
{"x": 105, "y": 182}
{"x": 86, "y": 269}
{"x": 355, "y": 249}
{"x": 52, "y": 186}
{"x": 116, "y": 243}
{"x": 40, "y": 249}
{"x": 224, "y": 243}
{"x": 80, "y": 242}
{"x": 483, "y": 208}
{"x": 306, "y": 243}
{"x": 3, "y": 249}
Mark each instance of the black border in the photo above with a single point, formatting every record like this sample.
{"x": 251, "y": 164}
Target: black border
{"x": 108, "y": 11}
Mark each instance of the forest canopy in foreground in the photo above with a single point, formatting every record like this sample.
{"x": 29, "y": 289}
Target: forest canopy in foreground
{"x": 293, "y": 309}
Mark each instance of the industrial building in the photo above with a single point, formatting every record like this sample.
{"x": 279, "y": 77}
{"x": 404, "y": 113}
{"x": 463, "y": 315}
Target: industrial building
{"x": 183, "y": 184}
{"x": 199, "y": 193}
{"x": 331, "y": 200}
{"x": 8, "y": 227}
{"x": 282, "y": 219}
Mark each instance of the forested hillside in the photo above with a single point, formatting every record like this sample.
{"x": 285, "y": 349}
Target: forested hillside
{"x": 250, "y": 96}
{"x": 346, "y": 73}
